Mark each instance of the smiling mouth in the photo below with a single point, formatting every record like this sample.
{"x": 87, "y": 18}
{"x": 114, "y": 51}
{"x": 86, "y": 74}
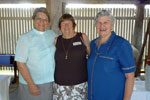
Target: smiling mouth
{"x": 66, "y": 29}
{"x": 102, "y": 30}
{"x": 41, "y": 25}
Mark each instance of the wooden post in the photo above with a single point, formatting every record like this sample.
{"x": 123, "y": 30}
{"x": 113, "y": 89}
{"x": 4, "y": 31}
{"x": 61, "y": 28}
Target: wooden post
{"x": 139, "y": 63}
{"x": 138, "y": 34}
{"x": 138, "y": 26}
{"x": 149, "y": 45}
{"x": 63, "y": 7}
{"x": 55, "y": 9}
{"x": 48, "y": 7}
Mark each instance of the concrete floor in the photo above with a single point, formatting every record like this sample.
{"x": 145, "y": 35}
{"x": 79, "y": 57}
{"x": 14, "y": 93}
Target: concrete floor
{"x": 14, "y": 87}
{"x": 13, "y": 91}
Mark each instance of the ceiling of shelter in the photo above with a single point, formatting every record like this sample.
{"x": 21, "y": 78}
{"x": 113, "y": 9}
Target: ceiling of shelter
{"x": 22, "y": 1}
{"x": 81, "y": 1}
{"x": 111, "y": 1}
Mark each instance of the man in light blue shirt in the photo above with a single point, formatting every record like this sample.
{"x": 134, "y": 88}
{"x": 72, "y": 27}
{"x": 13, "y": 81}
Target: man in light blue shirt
{"x": 35, "y": 59}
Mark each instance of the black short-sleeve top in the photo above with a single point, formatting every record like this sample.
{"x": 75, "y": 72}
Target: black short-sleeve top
{"x": 73, "y": 70}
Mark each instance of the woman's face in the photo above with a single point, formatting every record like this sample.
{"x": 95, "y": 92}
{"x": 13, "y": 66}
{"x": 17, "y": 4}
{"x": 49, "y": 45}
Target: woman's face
{"x": 67, "y": 26}
{"x": 41, "y": 21}
{"x": 104, "y": 26}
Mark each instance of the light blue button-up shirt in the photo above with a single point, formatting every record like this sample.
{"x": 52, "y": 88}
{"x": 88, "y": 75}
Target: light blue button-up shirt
{"x": 37, "y": 51}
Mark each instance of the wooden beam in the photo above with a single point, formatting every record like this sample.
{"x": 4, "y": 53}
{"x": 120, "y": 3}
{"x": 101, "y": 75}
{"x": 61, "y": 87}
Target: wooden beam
{"x": 63, "y": 7}
{"x": 21, "y": 1}
{"x": 48, "y": 7}
{"x": 138, "y": 26}
{"x": 139, "y": 63}
{"x": 55, "y": 10}
{"x": 149, "y": 45}
{"x": 103, "y": 1}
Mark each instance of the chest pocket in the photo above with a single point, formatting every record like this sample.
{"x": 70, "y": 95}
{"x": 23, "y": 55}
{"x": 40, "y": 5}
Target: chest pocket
{"x": 108, "y": 63}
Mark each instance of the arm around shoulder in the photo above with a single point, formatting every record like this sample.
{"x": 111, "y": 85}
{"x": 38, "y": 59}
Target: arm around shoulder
{"x": 55, "y": 40}
{"x": 86, "y": 42}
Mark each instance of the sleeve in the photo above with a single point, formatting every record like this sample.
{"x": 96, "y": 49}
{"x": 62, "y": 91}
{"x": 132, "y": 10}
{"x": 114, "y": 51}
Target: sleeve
{"x": 55, "y": 35}
{"x": 52, "y": 33}
{"x": 21, "y": 50}
{"x": 126, "y": 58}
{"x": 51, "y": 36}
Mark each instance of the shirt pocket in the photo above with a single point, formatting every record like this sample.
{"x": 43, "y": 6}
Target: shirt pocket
{"x": 108, "y": 63}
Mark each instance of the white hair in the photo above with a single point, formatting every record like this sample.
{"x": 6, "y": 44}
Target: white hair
{"x": 105, "y": 13}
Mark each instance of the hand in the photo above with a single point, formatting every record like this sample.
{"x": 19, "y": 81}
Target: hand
{"x": 126, "y": 99}
{"x": 34, "y": 90}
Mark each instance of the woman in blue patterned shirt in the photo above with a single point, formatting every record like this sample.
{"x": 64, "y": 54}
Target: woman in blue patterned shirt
{"x": 111, "y": 64}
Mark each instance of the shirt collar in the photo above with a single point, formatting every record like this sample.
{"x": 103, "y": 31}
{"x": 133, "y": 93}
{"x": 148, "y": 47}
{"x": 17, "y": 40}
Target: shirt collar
{"x": 113, "y": 34}
{"x": 109, "y": 40}
{"x": 38, "y": 32}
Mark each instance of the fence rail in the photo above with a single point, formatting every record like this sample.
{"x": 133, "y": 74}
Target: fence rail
{"x": 124, "y": 23}
{"x": 16, "y": 21}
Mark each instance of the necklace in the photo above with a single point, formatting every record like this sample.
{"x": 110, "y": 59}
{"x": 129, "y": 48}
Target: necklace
{"x": 66, "y": 50}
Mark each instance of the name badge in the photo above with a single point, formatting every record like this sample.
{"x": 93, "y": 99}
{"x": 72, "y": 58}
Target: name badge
{"x": 76, "y": 43}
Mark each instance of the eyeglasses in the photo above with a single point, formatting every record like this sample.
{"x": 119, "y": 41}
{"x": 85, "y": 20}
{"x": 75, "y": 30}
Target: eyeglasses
{"x": 66, "y": 23}
{"x": 41, "y": 19}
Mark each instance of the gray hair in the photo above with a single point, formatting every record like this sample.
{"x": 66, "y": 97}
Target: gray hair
{"x": 105, "y": 13}
{"x": 43, "y": 10}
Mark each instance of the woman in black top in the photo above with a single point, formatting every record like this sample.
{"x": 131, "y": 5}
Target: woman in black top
{"x": 70, "y": 57}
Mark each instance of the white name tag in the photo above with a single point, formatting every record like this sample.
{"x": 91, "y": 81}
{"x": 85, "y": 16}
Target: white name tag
{"x": 76, "y": 43}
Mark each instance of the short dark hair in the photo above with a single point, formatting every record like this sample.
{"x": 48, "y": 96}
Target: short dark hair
{"x": 66, "y": 17}
{"x": 43, "y": 10}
